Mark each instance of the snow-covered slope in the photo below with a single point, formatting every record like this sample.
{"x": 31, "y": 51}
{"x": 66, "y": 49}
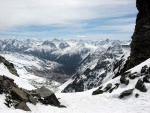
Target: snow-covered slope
{"x": 96, "y": 67}
{"x": 89, "y": 61}
{"x": 70, "y": 53}
{"x": 107, "y": 100}
{"x": 37, "y": 71}
{"x": 85, "y": 102}
{"x": 21, "y": 82}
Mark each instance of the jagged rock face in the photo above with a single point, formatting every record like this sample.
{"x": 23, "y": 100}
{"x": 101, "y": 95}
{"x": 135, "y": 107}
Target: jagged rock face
{"x": 140, "y": 46}
{"x": 93, "y": 76}
{"x": 141, "y": 80}
{"x": 9, "y": 66}
{"x": 69, "y": 53}
{"x": 18, "y": 97}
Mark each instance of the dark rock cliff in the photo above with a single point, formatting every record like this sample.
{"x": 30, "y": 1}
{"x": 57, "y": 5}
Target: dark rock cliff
{"x": 9, "y": 66}
{"x": 140, "y": 45}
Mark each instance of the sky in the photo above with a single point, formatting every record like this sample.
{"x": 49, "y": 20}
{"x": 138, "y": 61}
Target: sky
{"x": 68, "y": 19}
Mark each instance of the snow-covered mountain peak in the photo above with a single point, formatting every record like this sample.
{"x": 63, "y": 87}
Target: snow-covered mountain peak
{"x": 70, "y": 53}
{"x": 80, "y": 44}
{"x": 63, "y": 45}
{"x": 49, "y": 43}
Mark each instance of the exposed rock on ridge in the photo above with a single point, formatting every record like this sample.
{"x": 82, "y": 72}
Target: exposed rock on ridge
{"x": 140, "y": 46}
{"x": 17, "y": 97}
{"x": 9, "y": 66}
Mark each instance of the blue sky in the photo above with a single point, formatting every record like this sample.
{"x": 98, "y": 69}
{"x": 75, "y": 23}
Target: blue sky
{"x": 68, "y": 19}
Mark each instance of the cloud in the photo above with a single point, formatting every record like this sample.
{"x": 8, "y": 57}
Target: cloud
{"x": 66, "y": 15}
{"x": 126, "y": 28}
{"x": 80, "y": 36}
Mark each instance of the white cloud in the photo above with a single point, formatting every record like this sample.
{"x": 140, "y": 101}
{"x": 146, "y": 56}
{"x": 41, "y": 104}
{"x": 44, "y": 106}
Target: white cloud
{"x": 99, "y": 37}
{"x": 119, "y": 28}
{"x": 62, "y": 12}
{"x": 80, "y": 36}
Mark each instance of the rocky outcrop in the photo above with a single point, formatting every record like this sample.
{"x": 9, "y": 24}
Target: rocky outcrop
{"x": 9, "y": 66}
{"x": 123, "y": 80}
{"x": 140, "y": 86}
{"x": 23, "y": 106}
{"x": 18, "y": 97}
{"x": 133, "y": 82}
{"x": 126, "y": 93}
{"x": 93, "y": 76}
{"x": 47, "y": 96}
{"x": 108, "y": 87}
{"x": 140, "y": 46}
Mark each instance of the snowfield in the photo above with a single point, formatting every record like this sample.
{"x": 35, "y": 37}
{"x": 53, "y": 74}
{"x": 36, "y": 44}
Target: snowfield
{"x": 22, "y": 62}
{"x": 85, "y": 102}
{"x": 19, "y": 81}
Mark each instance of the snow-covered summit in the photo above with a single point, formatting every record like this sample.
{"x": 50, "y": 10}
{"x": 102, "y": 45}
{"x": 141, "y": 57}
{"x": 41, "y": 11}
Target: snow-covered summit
{"x": 63, "y": 45}
{"x": 70, "y": 53}
{"x": 85, "y": 102}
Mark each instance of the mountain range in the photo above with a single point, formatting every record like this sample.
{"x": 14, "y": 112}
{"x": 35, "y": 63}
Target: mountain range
{"x": 57, "y": 60}
{"x": 90, "y": 76}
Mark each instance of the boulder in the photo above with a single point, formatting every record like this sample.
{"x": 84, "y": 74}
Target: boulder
{"x": 47, "y": 96}
{"x": 117, "y": 85}
{"x": 111, "y": 90}
{"x": 136, "y": 95}
{"x": 146, "y": 79}
{"x": 30, "y": 97}
{"x": 23, "y": 106}
{"x": 43, "y": 92}
{"x": 144, "y": 69}
{"x": 108, "y": 87}
{"x": 134, "y": 75}
{"x": 140, "y": 86}
{"x": 19, "y": 94}
{"x": 52, "y": 100}
{"x": 123, "y": 80}
{"x": 126, "y": 93}
{"x": 98, "y": 91}
{"x": 32, "y": 100}
{"x": 18, "y": 97}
